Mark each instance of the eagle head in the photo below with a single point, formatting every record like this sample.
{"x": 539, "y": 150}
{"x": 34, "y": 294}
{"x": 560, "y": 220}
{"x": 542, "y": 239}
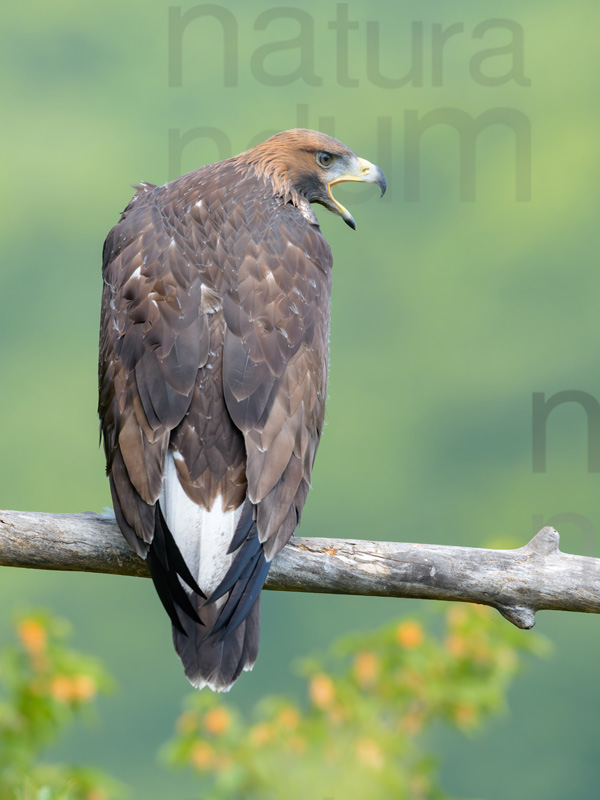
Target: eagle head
{"x": 305, "y": 164}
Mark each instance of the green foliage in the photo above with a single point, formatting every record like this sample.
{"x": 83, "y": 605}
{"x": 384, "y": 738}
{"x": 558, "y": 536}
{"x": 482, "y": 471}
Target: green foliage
{"x": 362, "y": 732}
{"x": 44, "y": 687}
{"x": 370, "y": 703}
{"x": 446, "y": 316}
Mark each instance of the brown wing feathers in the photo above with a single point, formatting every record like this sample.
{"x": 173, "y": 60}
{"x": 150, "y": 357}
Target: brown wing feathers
{"x": 275, "y": 370}
{"x": 214, "y": 338}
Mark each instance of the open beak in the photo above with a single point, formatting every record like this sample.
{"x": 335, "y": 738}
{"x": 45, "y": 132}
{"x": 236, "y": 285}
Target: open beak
{"x": 366, "y": 173}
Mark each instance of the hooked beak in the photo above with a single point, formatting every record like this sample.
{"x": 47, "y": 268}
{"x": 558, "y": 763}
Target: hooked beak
{"x": 366, "y": 173}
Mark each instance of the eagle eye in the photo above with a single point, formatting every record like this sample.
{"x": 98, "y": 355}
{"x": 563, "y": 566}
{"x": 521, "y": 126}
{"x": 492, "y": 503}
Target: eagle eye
{"x": 324, "y": 160}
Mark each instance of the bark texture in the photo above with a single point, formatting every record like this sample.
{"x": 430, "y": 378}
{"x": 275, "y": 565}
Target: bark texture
{"x": 517, "y": 582}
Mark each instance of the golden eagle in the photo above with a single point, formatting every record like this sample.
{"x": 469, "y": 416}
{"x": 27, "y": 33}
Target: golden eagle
{"x": 213, "y": 375}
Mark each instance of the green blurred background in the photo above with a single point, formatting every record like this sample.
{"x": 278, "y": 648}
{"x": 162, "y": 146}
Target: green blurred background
{"x": 448, "y": 313}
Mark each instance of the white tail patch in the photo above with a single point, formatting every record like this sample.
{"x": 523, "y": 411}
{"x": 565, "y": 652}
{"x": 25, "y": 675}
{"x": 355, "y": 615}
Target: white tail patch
{"x": 202, "y": 535}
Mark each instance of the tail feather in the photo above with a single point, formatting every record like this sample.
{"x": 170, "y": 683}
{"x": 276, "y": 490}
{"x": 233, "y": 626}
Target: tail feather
{"x": 212, "y": 661}
{"x": 245, "y": 589}
{"x": 243, "y": 527}
{"x": 248, "y": 550}
{"x": 170, "y": 553}
{"x": 208, "y": 567}
{"x": 168, "y": 570}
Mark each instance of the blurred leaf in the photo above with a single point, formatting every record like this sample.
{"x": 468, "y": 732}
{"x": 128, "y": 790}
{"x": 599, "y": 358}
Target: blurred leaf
{"x": 44, "y": 687}
{"x": 362, "y": 731}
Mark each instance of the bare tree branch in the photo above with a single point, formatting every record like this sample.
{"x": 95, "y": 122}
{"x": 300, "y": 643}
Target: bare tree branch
{"x": 516, "y": 582}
